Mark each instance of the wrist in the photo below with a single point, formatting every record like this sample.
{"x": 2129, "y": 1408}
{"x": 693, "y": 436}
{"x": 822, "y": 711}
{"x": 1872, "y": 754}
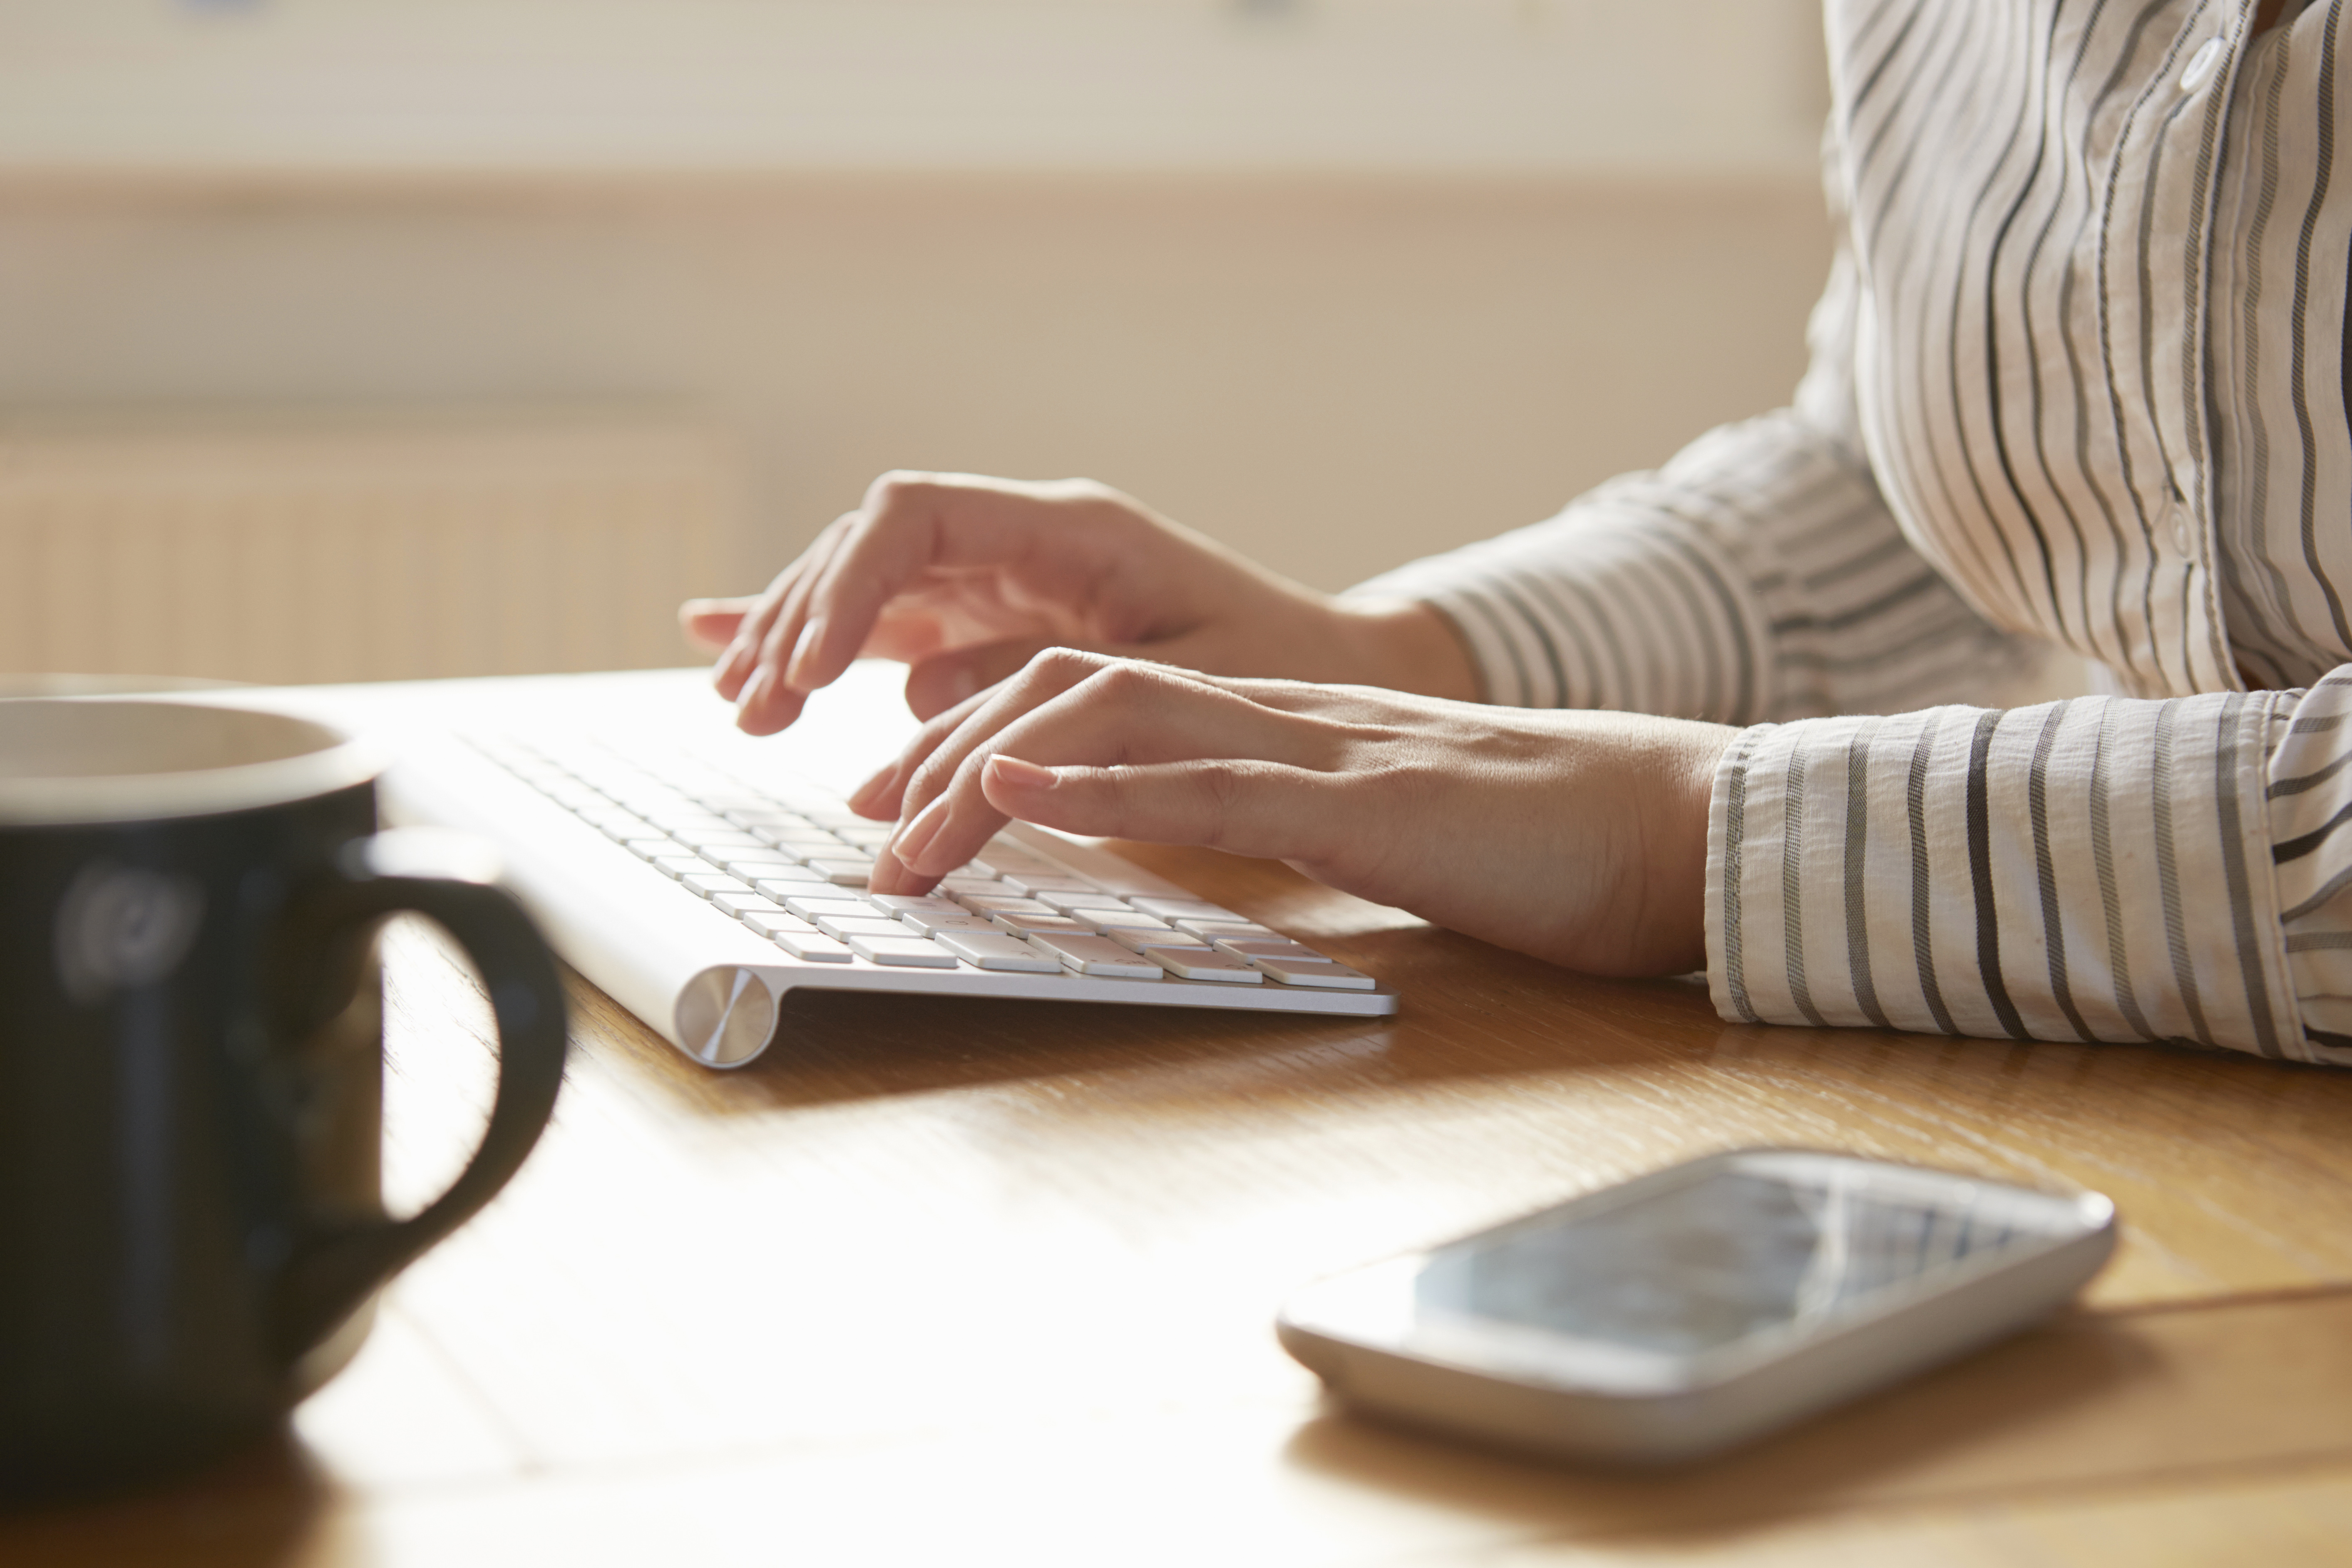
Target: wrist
{"x": 1404, "y": 645}
{"x": 1677, "y": 847}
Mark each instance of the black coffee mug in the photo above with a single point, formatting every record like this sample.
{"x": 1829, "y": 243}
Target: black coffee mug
{"x": 192, "y": 1232}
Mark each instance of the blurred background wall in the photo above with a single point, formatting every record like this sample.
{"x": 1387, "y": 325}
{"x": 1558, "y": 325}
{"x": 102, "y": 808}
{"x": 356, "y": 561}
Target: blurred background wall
{"x": 343, "y": 338}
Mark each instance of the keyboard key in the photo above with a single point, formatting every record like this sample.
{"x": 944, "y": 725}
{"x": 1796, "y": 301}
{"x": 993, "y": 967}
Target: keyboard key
{"x": 776, "y": 923}
{"x": 814, "y": 903}
{"x": 1212, "y": 929}
{"x": 995, "y": 950}
{"x": 812, "y": 840}
{"x": 957, "y": 886}
{"x": 1003, "y": 903}
{"x": 1178, "y": 910}
{"x": 866, "y": 835}
{"x": 849, "y": 927}
{"x": 621, "y": 827}
{"x": 995, "y": 862}
{"x": 742, "y": 904}
{"x": 795, "y": 850}
{"x": 709, "y": 884}
{"x": 901, "y": 903}
{"x": 653, "y": 849}
{"x": 1326, "y": 975}
{"x": 903, "y": 951}
{"x": 1201, "y": 964}
{"x": 780, "y": 883}
{"x": 750, "y": 864}
{"x": 766, "y": 854}
{"x": 763, "y": 817}
{"x": 1144, "y": 941}
{"x": 931, "y": 923}
{"x": 677, "y": 866}
{"x": 1071, "y": 903}
{"x": 814, "y": 945}
{"x": 842, "y": 872}
{"x": 1271, "y": 947}
{"x": 706, "y": 841}
{"x": 1098, "y": 955}
{"x": 681, "y": 819}
{"x": 1108, "y": 921}
{"x": 1024, "y": 925}
{"x": 1055, "y": 881}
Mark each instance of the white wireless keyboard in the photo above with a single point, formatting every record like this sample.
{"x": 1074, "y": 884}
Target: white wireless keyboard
{"x": 697, "y": 876}
{"x": 790, "y": 862}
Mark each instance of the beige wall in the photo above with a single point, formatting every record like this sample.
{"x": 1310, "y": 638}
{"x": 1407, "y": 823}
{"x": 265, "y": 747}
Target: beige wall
{"x": 1335, "y": 371}
{"x": 587, "y": 87}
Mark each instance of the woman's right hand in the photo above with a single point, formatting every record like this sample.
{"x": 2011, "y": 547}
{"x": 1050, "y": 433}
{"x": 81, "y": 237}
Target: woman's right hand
{"x": 964, "y": 578}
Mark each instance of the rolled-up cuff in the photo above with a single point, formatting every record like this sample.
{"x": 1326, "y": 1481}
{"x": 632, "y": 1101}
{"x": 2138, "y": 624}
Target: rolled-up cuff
{"x": 2098, "y": 869}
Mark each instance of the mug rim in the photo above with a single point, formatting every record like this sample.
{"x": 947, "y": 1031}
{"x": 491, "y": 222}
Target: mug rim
{"x": 66, "y": 800}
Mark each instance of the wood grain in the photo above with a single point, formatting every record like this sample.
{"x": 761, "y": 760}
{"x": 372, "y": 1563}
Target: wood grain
{"x": 993, "y": 1281}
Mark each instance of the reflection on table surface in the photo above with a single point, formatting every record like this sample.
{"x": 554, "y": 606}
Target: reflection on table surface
{"x": 975, "y": 1282}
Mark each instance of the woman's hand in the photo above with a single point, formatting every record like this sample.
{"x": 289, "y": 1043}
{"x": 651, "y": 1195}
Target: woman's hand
{"x": 964, "y": 578}
{"x": 1577, "y": 837}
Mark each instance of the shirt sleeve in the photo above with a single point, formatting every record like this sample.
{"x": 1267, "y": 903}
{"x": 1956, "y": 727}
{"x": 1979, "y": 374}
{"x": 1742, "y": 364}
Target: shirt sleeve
{"x": 2100, "y": 869}
{"x": 1758, "y": 575}
{"x": 2308, "y": 790}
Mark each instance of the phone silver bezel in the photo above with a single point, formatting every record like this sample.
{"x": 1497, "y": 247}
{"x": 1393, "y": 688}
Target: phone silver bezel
{"x": 1372, "y": 1307}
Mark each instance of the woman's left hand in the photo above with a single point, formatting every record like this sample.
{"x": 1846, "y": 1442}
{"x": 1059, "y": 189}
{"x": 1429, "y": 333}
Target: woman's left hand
{"x": 1579, "y": 837}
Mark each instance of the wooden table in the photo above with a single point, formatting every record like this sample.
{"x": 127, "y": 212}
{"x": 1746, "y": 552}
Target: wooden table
{"x": 940, "y": 1283}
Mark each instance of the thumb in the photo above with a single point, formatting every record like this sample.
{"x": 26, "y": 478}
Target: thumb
{"x": 939, "y": 683}
{"x": 711, "y": 623}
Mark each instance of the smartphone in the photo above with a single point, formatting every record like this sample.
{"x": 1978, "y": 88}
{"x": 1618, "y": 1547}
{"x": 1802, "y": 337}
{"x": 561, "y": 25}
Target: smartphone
{"x": 1700, "y": 1307}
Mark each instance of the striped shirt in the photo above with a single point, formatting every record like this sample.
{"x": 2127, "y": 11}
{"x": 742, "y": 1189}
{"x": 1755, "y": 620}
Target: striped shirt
{"x": 2079, "y": 378}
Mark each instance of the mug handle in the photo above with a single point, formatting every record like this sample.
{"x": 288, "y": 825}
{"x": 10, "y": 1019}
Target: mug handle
{"x": 449, "y": 879}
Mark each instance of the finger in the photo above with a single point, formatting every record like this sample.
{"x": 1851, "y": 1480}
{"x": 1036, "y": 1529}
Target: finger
{"x": 919, "y": 522}
{"x": 767, "y": 702}
{"x": 938, "y": 684}
{"x": 729, "y": 671}
{"x": 1267, "y": 809}
{"x": 919, "y": 777}
{"x": 743, "y": 655}
{"x": 1122, "y": 712}
{"x": 767, "y": 705}
{"x": 896, "y": 537}
{"x": 881, "y": 795}
{"x": 711, "y": 623}
{"x": 734, "y": 667}
{"x": 929, "y": 762}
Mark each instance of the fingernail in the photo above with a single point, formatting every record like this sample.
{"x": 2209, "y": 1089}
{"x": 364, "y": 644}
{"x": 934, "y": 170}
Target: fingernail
{"x": 754, "y": 689}
{"x": 723, "y": 669}
{"x": 803, "y": 659}
{"x": 1022, "y": 775}
{"x": 917, "y": 835}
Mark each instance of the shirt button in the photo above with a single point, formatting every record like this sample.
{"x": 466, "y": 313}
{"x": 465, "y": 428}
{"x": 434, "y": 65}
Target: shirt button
{"x": 2201, "y": 65}
{"x": 2184, "y": 530}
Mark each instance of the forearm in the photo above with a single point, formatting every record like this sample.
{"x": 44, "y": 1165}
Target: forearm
{"x": 1403, "y": 645}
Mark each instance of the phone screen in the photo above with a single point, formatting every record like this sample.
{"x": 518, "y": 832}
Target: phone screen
{"x": 1696, "y": 1266}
